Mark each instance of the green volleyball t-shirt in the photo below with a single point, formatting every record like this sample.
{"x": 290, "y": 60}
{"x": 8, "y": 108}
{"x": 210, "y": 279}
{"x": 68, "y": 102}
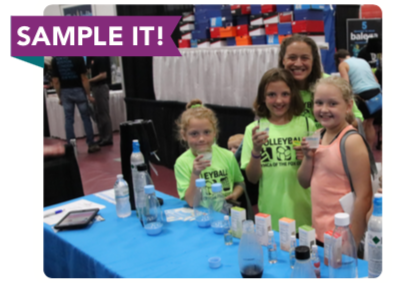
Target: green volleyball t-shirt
{"x": 280, "y": 194}
{"x": 224, "y": 169}
{"x": 307, "y": 98}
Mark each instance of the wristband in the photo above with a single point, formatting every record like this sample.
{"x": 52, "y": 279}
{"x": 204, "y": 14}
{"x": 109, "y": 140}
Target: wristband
{"x": 255, "y": 156}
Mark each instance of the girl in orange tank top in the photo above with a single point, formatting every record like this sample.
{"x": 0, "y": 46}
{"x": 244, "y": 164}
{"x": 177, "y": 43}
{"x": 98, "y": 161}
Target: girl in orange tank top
{"x": 322, "y": 168}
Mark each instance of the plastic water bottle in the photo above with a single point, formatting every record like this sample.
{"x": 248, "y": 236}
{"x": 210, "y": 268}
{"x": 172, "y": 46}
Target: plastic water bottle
{"x": 227, "y": 233}
{"x": 315, "y": 260}
{"x": 122, "y": 201}
{"x": 375, "y": 238}
{"x": 141, "y": 179}
{"x": 136, "y": 158}
{"x": 303, "y": 267}
{"x": 342, "y": 250}
{"x": 215, "y": 209}
{"x": 152, "y": 213}
{"x": 292, "y": 251}
{"x": 272, "y": 248}
{"x": 250, "y": 252}
{"x": 201, "y": 213}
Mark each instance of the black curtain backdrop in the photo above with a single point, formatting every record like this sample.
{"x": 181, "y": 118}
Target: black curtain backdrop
{"x": 344, "y": 12}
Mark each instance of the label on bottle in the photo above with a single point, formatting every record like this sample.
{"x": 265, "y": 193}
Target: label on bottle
{"x": 375, "y": 242}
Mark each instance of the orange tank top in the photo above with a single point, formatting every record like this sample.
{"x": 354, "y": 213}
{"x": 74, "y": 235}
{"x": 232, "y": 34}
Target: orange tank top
{"x": 329, "y": 183}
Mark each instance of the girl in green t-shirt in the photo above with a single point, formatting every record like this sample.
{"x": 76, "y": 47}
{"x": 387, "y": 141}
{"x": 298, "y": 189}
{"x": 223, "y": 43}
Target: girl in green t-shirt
{"x": 198, "y": 129}
{"x": 268, "y": 156}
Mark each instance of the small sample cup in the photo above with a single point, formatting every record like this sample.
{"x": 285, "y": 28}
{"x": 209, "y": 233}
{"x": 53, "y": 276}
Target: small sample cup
{"x": 313, "y": 138}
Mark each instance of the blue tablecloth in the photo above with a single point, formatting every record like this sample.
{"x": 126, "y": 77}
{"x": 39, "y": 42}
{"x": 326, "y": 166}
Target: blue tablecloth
{"x": 121, "y": 248}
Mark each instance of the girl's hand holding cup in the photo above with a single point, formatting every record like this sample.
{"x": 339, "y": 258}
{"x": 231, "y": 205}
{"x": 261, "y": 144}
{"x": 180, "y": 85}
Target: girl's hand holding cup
{"x": 308, "y": 152}
{"x": 199, "y": 164}
{"x": 259, "y": 138}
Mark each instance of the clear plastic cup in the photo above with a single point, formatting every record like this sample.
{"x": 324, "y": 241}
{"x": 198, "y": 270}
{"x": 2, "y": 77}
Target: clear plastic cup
{"x": 264, "y": 127}
{"x": 207, "y": 154}
{"x": 313, "y": 138}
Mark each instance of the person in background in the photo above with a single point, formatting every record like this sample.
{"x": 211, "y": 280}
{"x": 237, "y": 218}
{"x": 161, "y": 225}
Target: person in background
{"x": 268, "y": 158}
{"x": 234, "y": 142}
{"x": 100, "y": 81}
{"x": 72, "y": 86}
{"x": 322, "y": 169}
{"x": 198, "y": 129}
{"x": 364, "y": 84}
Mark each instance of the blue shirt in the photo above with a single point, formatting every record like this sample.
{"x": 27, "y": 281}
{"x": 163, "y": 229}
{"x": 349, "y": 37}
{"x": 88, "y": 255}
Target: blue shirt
{"x": 360, "y": 75}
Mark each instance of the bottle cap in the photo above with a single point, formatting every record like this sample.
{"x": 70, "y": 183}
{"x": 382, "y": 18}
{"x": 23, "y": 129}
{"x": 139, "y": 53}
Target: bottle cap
{"x": 119, "y": 176}
{"x": 378, "y": 205}
{"x": 149, "y": 189}
{"x": 214, "y": 262}
{"x": 216, "y": 188}
{"x": 314, "y": 248}
{"x": 270, "y": 233}
{"x": 302, "y": 252}
{"x": 200, "y": 183}
{"x": 342, "y": 219}
{"x": 136, "y": 146}
{"x": 226, "y": 217}
{"x": 141, "y": 167}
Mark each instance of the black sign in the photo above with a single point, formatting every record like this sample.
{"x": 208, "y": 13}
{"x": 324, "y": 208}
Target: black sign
{"x": 359, "y": 31}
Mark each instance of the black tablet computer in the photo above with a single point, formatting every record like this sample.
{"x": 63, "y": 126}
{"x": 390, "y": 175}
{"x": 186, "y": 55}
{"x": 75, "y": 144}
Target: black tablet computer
{"x": 77, "y": 219}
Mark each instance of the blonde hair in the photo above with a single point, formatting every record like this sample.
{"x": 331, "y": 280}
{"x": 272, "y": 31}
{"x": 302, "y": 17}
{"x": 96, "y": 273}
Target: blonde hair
{"x": 238, "y": 138}
{"x": 195, "y": 109}
{"x": 345, "y": 89}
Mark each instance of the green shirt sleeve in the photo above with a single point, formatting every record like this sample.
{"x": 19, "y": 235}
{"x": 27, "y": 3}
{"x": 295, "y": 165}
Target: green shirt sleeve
{"x": 356, "y": 111}
{"x": 183, "y": 177}
{"x": 247, "y": 146}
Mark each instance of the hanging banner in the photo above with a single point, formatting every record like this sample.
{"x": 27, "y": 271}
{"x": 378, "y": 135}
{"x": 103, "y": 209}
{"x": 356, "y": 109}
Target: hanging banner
{"x": 359, "y": 31}
{"x": 93, "y": 36}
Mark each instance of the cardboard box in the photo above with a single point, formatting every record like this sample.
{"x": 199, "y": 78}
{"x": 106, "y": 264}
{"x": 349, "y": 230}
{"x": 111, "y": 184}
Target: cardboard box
{"x": 309, "y": 15}
{"x": 256, "y": 20}
{"x": 202, "y": 26}
{"x": 271, "y": 29}
{"x": 202, "y": 43}
{"x": 188, "y": 17}
{"x": 228, "y": 32}
{"x": 198, "y": 34}
{"x": 263, "y": 224}
{"x": 186, "y": 35}
{"x": 282, "y": 37}
{"x": 238, "y": 10}
{"x": 221, "y": 22}
{"x": 306, "y": 7}
{"x": 259, "y": 40}
{"x": 209, "y": 7}
{"x": 286, "y": 17}
{"x": 307, "y": 26}
{"x": 268, "y": 8}
{"x": 217, "y": 42}
{"x": 284, "y": 28}
{"x": 186, "y": 26}
{"x": 256, "y": 30}
{"x": 287, "y": 228}
{"x": 214, "y": 33}
{"x": 270, "y": 18}
{"x": 307, "y": 236}
{"x": 184, "y": 43}
{"x": 284, "y": 8}
{"x": 237, "y": 214}
{"x": 337, "y": 251}
{"x": 327, "y": 241}
{"x": 256, "y": 9}
{"x": 243, "y": 40}
{"x": 241, "y": 20}
{"x": 231, "y": 41}
{"x": 242, "y": 30}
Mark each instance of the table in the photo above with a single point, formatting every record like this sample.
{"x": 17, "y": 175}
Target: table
{"x": 121, "y": 248}
{"x": 56, "y": 118}
{"x": 227, "y": 76}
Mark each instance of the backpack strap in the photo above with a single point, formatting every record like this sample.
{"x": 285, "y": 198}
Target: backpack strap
{"x": 373, "y": 169}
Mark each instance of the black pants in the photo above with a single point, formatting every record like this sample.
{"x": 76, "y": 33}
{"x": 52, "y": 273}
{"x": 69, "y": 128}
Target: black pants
{"x": 366, "y": 95}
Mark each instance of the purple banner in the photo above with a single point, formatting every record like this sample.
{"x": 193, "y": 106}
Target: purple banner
{"x": 93, "y": 36}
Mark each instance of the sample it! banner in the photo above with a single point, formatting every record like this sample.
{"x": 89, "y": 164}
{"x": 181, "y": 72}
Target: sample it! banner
{"x": 93, "y": 36}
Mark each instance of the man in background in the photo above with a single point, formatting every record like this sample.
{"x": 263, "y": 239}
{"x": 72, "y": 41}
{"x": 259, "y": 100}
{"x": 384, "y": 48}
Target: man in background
{"x": 100, "y": 81}
{"x": 72, "y": 86}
